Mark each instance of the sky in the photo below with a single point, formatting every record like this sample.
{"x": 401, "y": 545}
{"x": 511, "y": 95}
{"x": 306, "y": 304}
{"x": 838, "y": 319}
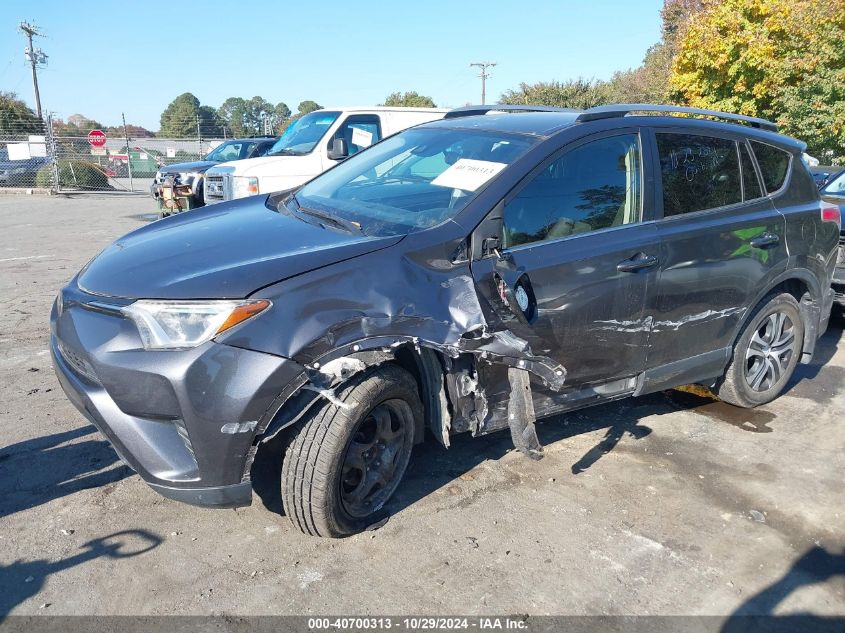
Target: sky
{"x": 135, "y": 57}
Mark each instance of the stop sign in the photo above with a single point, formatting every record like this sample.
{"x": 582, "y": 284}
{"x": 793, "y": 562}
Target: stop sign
{"x": 97, "y": 138}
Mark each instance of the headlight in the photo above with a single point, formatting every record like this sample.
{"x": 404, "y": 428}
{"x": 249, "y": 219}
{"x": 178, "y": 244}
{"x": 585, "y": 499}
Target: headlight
{"x": 186, "y": 177}
{"x": 243, "y": 186}
{"x": 186, "y": 324}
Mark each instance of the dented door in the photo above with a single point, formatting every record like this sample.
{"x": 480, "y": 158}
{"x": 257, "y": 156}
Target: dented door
{"x": 722, "y": 241}
{"x": 576, "y": 265}
{"x": 581, "y": 309}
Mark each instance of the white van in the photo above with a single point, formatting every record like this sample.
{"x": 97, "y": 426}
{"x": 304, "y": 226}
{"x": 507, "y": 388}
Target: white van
{"x": 310, "y": 146}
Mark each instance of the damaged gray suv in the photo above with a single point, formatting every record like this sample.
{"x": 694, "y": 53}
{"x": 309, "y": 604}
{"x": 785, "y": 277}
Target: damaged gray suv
{"x": 466, "y": 275}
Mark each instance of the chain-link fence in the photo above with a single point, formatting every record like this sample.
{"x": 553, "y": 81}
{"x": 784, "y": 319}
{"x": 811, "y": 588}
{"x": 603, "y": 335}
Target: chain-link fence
{"x": 62, "y": 158}
{"x": 25, "y": 155}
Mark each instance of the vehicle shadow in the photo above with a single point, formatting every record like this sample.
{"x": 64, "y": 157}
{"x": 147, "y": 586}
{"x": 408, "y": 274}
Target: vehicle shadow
{"x": 434, "y": 467}
{"x": 266, "y": 473}
{"x": 36, "y": 471}
{"x": 817, "y": 565}
{"x": 827, "y": 383}
{"x": 23, "y": 579}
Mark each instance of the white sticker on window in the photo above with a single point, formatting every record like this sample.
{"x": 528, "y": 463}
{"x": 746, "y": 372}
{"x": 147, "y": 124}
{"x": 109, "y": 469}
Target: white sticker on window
{"x": 468, "y": 174}
{"x": 361, "y": 138}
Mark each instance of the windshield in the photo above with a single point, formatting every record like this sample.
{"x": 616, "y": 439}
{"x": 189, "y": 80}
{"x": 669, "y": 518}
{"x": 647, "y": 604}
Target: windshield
{"x": 304, "y": 134}
{"x": 411, "y": 181}
{"x": 836, "y": 186}
{"x": 231, "y": 150}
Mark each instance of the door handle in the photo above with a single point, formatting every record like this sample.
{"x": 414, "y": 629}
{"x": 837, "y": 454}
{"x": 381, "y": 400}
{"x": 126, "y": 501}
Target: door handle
{"x": 639, "y": 261}
{"x": 765, "y": 240}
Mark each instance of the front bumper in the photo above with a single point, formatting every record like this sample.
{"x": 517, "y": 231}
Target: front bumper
{"x": 185, "y": 420}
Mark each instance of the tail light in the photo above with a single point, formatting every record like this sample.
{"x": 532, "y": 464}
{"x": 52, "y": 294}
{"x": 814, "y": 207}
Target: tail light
{"x": 830, "y": 213}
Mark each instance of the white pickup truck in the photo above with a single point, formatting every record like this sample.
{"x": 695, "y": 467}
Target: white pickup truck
{"x": 310, "y": 146}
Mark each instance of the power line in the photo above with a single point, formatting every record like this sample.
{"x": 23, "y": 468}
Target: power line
{"x": 34, "y": 56}
{"x": 484, "y": 75}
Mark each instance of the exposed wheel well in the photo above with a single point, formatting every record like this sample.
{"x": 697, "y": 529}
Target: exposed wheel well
{"x": 426, "y": 366}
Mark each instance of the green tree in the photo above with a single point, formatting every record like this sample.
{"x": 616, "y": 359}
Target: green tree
{"x": 233, "y": 114}
{"x": 179, "y": 119}
{"x": 262, "y": 115}
{"x": 575, "y": 93}
{"x": 209, "y": 123}
{"x": 249, "y": 117}
{"x": 184, "y": 114}
{"x": 779, "y": 59}
{"x": 282, "y": 111}
{"x": 308, "y": 106}
{"x": 16, "y": 118}
{"x": 409, "y": 100}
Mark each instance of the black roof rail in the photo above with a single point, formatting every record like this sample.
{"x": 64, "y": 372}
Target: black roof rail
{"x": 624, "y": 109}
{"x": 502, "y": 107}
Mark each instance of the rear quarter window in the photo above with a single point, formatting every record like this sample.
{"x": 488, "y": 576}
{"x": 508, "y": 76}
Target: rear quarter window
{"x": 698, "y": 172}
{"x": 774, "y": 164}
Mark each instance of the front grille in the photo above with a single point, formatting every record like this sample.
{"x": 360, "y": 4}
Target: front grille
{"x": 77, "y": 363}
{"x": 215, "y": 186}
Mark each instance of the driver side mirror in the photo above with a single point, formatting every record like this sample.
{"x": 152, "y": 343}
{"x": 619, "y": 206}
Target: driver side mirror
{"x": 339, "y": 149}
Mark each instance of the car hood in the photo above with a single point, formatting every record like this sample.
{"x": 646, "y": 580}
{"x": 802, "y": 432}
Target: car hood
{"x": 279, "y": 165}
{"x": 198, "y": 165}
{"x": 225, "y": 251}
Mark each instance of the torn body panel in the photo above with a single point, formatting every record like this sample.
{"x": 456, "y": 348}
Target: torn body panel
{"x": 428, "y": 309}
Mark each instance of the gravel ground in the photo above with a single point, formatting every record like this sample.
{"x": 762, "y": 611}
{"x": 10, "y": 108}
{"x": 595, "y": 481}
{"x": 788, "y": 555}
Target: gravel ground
{"x": 666, "y": 504}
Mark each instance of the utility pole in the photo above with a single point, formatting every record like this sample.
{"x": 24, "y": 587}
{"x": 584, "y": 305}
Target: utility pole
{"x": 128, "y": 152}
{"x": 34, "y": 56}
{"x": 484, "y": 75}
{"x": 199, "y": 136}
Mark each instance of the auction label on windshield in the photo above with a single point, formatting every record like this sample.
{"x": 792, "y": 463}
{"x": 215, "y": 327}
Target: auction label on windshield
{"x": 468, "y": 174}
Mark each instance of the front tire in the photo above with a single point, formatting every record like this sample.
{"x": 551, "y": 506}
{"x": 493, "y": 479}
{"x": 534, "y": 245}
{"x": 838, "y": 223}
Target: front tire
{"x": 344, "y": 463}
{"x": 765, "y": 354}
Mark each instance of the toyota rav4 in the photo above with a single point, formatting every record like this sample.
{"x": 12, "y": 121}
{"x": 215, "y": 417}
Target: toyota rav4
{"x": 469, "y": 274}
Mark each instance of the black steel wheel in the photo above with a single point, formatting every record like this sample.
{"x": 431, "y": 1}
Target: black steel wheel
{"x": 378, "y": 451}
{"x": 345, "y": 461}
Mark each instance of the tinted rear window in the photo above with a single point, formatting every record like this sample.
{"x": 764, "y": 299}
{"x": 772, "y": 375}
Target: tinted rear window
{"x": 699, "y": 172}
{"x": 774, "y": 164}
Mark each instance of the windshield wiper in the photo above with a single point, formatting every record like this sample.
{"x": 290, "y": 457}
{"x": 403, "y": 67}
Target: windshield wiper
{"x": 342, "y": 223}
{"x": 285, "y": 152}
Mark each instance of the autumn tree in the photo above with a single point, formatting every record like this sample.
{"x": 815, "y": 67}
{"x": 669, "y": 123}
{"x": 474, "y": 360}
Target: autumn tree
{"x": 779, "y": 59}
{"x": 409, "y": 100}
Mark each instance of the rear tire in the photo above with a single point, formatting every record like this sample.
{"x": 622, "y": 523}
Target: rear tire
{"x": 765, "y": 354}
{"x": 344, "y": 463}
